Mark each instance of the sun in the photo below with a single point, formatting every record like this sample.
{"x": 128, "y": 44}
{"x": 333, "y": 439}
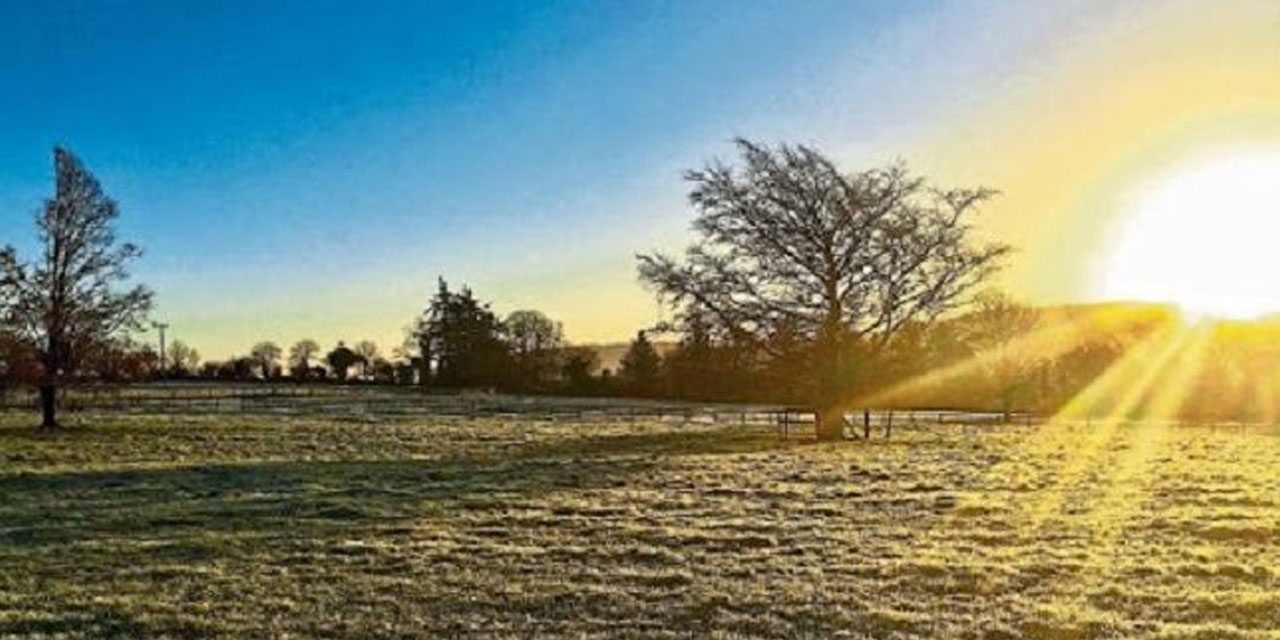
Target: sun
{"x": 1205, "y": 237}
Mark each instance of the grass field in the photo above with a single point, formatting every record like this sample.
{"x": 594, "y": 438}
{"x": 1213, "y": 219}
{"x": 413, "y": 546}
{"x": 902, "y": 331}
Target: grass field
{"x": 313, "y": 527}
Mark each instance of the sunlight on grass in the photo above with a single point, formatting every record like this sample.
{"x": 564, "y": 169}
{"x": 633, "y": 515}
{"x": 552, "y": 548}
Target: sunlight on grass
{"x": 1130, "y": 379}
{"x": 256, "y": 526}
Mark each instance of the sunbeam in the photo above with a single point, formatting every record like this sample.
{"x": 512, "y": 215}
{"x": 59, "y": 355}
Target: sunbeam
{"x": 1131, "y": 378}
{"x": 1045, "y": 342}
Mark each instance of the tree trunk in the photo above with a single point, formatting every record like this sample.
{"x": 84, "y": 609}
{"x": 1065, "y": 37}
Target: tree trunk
{"x": 830, "y": 424}
{"x": 48, "y": 407}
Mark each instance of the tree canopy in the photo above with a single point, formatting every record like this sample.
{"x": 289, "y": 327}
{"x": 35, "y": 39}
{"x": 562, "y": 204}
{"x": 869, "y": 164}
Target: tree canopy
{"x": 460, "y": 341}
{"x": 788, "y": 245}
{"x": 69, "y": 302}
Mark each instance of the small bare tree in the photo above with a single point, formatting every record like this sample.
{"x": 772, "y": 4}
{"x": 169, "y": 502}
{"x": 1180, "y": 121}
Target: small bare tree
{"x": 300, "y": 355}
{"x": 367, "y": 350}
{"x": 68, "y": 301}
{"x": 186, "y": 360}
{"x": 536, "y": 342}
{"x": 789, "y": 244}
{"x": 266, "y": 355}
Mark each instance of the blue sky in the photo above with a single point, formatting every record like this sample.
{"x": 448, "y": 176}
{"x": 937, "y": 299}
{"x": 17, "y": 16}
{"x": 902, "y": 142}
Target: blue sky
{"x": 308, "y": 169}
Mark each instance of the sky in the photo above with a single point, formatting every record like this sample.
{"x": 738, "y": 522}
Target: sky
{"x": 308, "y": 170}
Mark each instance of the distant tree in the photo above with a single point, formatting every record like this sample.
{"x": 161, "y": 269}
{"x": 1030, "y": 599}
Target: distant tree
{"x": 788, "y": 242}
{"x": 209, "y": 370}
{"x": 607, "y": 383}
{"x": 578, "y": 370}
{"x": 536, "y": 342}
{"x": 691, "y": 365}
{"x": 68, "y": 299}
{"x": 186, "y": 361}
{"x": 992, "y": 332}
{"x": 640, "y": 366}
{"x": 19, "y": 363}
{"x": 707, "y": 364}
{"x": 266, "y": 355}
{"x": 1085, "y": 361}
{"x": 415, "y": 352}
{"x": 120, "y": 360}
{"x": 459, "y": 341}
{"x": 382, "y": 371}
{"x": 368, "y": 352}
{"x": 237, "y": 368}
{"x": 914, "y": 361}
{"x": 405, "y": 371}
{"x": 300, "y": 356}
{"x": 786, "y": 371}
{"x": 341, "y": 359}
{"x": 117, "y": 360}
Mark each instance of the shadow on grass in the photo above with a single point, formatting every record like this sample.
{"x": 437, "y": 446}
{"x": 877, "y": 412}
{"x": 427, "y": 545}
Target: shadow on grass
{"x": 270, "y": 499}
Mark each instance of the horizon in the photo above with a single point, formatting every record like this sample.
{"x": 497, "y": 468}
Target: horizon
{"x": 323, "y": 188}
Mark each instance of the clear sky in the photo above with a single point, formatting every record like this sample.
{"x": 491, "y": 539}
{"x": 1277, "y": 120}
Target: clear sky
{"x": 308, "y": 169}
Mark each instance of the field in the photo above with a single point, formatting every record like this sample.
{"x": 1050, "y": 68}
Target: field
{"x": 316, "y": 526}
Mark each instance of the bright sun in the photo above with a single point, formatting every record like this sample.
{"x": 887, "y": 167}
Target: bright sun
{"x": 1205, "y": 237}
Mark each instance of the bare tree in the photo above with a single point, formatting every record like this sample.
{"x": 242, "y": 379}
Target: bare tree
{"x": 68, "y": 300}
{"x": 367, "y": 350}
{"x": 536, "y": 342}
{"x": 266, "y": 355}
{"x": 300, "y": 355}
{"x": 789, "y": 244}
{"x": 186, "y": 360}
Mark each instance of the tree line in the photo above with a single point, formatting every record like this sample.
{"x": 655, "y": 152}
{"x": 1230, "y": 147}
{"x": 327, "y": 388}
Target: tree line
{"x": 805, "y": 284}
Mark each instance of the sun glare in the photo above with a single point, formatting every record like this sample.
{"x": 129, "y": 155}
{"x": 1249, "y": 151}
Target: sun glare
{"x": 1205, "y": 237}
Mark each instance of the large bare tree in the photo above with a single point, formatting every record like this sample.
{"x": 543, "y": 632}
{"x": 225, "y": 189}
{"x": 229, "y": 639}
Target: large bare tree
{"x": 68, "y": 301}
{"x": 788, "y": 244}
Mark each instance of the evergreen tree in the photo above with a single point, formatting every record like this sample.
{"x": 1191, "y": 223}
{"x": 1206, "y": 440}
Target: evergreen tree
{"x": 640, "y": 367}
{"x": 460, "y": 341}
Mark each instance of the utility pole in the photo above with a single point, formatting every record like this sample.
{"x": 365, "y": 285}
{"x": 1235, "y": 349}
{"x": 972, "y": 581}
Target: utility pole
{"x": 161, "y": 326}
